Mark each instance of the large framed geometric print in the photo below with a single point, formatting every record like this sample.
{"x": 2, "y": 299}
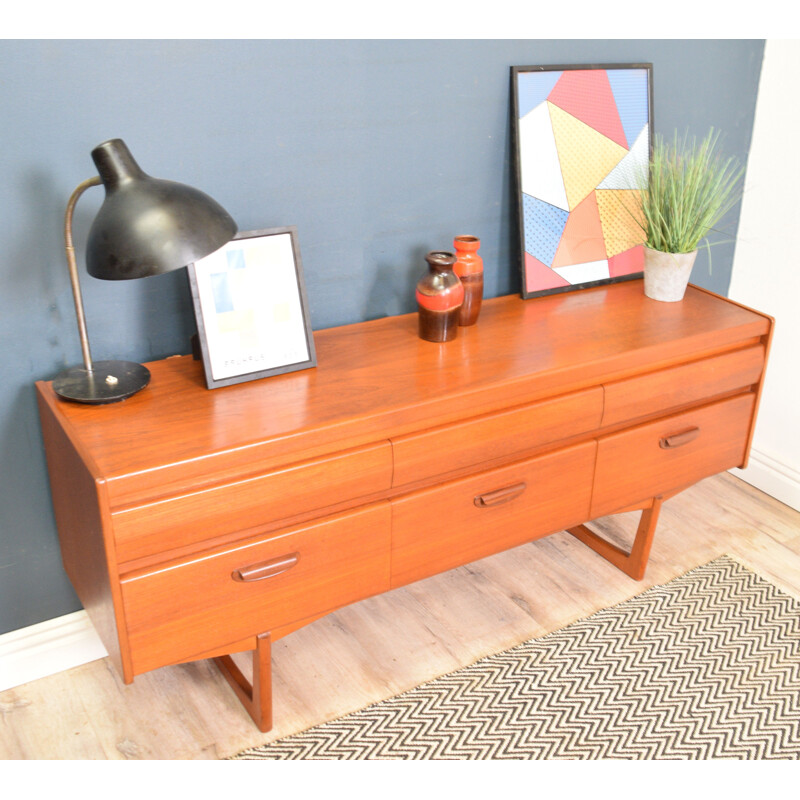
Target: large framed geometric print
{"x": 583, "y": 135}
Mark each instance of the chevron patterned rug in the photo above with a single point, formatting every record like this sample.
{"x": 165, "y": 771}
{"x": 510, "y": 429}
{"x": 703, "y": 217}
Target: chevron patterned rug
{"x": 706, "y": 666}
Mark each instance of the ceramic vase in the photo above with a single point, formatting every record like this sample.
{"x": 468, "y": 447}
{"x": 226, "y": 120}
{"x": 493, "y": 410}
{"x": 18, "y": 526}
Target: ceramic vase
{"x": 439, "y": 298}
{"x": 469, "y": 268}
{"x": 666, "y": 275}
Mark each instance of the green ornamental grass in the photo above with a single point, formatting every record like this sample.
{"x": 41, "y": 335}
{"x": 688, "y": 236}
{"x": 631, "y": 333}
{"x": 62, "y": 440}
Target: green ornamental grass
{"x": 691, "y": 188}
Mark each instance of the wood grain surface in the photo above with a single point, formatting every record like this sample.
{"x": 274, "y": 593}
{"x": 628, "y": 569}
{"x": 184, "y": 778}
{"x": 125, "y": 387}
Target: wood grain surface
{"x": 378, "y": 380}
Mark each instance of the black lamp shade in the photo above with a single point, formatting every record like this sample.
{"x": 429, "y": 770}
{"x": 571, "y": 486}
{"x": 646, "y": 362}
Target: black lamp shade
{"x": 148, "y": 226}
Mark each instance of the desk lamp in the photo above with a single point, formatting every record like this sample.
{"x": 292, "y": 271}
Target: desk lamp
{"x": 146, "y": 226}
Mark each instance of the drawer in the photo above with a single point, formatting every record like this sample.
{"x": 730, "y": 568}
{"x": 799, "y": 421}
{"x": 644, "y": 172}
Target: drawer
{"x": 670, "y": 453}
{"x": 682, "y": 385}
{"x": 461, "y": 521}
{"x": 196, "y": 605}
{"x": 178, "y": 521}
{"x": 475, "y": 441}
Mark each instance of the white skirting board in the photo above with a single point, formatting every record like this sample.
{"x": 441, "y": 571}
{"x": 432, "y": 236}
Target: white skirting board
{"x": 776, "y": 479}
{"x": 47, "y": 648}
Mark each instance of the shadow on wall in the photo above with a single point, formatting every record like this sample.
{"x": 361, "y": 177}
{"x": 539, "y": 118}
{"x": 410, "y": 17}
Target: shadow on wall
{"x": 36, "y": 311}
{"x": 393, "y": 287}
{"x": 36, "y": 284}
{"x": 36, "y": 558}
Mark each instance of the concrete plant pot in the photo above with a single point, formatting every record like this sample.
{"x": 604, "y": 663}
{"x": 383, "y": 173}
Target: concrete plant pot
{"x": 667, "y": 274}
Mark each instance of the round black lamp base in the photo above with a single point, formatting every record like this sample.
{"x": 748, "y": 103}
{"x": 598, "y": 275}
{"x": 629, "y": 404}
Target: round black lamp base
{"x": 107, "y": 382}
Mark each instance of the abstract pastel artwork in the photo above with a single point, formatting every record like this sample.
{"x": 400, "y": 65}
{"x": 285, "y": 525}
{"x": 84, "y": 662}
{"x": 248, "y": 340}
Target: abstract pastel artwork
{"x": 251, "y": 308}
{"x": 583, "y": 137}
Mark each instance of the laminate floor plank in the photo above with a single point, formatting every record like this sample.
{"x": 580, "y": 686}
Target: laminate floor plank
{"x": 47, "y": 720}
{"x": 388, "y": 644}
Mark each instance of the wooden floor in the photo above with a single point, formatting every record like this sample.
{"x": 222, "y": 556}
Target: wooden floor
{"x": 388, "y": 644}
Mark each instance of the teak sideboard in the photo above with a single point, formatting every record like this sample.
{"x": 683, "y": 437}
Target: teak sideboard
{"x": 197, "y": 524}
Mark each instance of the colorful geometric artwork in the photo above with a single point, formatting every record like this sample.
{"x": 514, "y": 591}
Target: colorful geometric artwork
{"x": 583, "y": 139}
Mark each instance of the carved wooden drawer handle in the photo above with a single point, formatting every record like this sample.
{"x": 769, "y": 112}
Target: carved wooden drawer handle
{"x": 266, "y": 569}
{"x": 500, "y": 496}
{"x": 678, "y": 439}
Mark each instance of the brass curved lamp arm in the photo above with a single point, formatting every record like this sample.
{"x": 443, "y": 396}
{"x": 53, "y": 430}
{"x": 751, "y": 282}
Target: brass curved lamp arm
{"x": 73, "y": 268}
{"x": 103, "y": 381}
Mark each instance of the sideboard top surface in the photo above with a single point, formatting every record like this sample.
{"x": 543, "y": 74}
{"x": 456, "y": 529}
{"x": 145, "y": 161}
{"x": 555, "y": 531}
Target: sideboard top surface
{"x": 378, "y": 379}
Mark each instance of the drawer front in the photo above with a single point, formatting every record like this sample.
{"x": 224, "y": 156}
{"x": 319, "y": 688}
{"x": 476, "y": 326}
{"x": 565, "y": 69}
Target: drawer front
{"x": 436, "y": 529}
{"x": 670, "y": 453}
{"x": 197, "y": 605}
{"x": 178, "y": 521}
{"x": 473, "y": 442}
{"x": 682, "y": 385}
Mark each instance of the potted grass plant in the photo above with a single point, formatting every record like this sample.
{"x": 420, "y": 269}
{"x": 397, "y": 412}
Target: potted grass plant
{"x": 691, "y": 187}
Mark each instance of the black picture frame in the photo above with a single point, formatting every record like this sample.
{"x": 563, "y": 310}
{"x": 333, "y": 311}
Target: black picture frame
{"x": 582, "y": 139}
{"x": 251, "y": 308}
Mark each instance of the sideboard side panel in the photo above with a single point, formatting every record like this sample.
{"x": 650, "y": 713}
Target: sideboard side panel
{"x": 78, "y": 506}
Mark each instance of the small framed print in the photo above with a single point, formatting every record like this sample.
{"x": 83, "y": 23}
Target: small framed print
{"x": 251, "y": 308}
{"x": 583, "y": 135}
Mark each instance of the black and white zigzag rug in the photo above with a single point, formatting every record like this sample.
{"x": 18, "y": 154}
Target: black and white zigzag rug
{"x": 705, "y": 666}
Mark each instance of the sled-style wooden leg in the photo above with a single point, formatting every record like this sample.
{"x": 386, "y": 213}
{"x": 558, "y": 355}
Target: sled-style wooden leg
{"x": 634, "y": 563}
{"x": 255, "y": 697}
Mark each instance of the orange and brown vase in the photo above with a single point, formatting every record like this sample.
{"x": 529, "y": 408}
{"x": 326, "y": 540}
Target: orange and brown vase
{"x": 439, "y": 297}
{"x": 469, "y": 268}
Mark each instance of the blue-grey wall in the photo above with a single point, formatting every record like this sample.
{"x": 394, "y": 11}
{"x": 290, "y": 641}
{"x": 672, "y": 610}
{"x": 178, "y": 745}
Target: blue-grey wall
{"x": 377, "y": 150}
